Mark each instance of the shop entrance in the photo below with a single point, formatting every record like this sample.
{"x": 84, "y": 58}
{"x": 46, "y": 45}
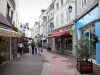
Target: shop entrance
{"x": 4, "y": 49}
{"x": 68, "y": 43}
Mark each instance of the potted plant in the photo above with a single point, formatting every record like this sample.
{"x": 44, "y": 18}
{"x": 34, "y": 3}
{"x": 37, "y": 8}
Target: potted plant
{"x": 84, "y": 52}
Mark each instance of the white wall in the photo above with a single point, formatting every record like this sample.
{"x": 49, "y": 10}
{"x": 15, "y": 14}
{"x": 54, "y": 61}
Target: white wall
{"x": 3, "y": 7}
{"x": 50, "y": 19}
{"x": 81, "y": 9}
{"x": 3, "y": 10}
{"x": 67, "y": 16}
{"x": 28, "y": 33}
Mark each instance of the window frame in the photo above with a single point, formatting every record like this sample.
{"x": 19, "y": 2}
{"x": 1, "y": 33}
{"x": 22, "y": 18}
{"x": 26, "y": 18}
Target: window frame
{"x": 83, "y": 3}
{"x": 62, "y": 2}
{"x": 57, "y": 6}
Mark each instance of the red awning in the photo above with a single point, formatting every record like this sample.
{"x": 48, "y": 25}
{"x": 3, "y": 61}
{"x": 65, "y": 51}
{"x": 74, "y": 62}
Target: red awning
{"x": 59, "y": 33}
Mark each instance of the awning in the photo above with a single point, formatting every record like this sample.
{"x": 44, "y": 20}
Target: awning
{"x": 9, "y": 33}
{"x": 60, "y": 33}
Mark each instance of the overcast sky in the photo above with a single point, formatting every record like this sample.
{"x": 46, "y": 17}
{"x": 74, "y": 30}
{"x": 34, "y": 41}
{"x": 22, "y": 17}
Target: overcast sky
{"x": 29, "y": 10}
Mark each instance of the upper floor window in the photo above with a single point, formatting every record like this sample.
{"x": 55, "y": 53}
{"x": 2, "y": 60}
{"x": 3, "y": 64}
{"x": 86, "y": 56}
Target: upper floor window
{"x": 48, "y": 18}
{"x": 51, "y": 15}
{"x": 8, "y": 9}
{"x": 62, "y": 18}
{"x": 67, "y": 1}
{"x": 20, "y": 26}
{"x": 84, "y": 3}
{"x": 57, "y": 5}
{"x": 11, "y": 14}
{"x": 57, "y": 22}
{"x": 61, "y": 2}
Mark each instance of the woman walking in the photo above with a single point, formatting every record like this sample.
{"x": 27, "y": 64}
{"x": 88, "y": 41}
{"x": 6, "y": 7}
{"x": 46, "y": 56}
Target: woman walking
{"x": 20, "y": 47}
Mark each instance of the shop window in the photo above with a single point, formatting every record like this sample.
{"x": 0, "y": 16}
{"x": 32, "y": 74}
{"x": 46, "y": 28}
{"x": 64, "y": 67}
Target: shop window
{"x": 58, "y": 43}
{"x": 91, "y": 34}
{"x": 69, "y": 44}
{"x": 4, "y": 50}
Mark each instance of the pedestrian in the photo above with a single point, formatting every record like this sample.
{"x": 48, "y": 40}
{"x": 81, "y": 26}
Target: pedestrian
{"x": 40, "y": 47}
{"x": 33, "y": 45}
{"x": 20, "y": 47}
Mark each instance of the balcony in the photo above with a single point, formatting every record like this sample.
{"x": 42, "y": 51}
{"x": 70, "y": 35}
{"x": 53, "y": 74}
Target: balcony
{"x": 13, "y": 3}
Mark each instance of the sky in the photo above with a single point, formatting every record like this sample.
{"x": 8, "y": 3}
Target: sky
{"x": 30, "y": 10}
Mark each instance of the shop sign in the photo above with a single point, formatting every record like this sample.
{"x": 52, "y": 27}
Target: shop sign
{"x": 71, "y": 32}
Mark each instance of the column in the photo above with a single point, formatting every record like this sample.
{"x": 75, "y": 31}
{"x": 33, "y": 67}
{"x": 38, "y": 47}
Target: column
{"x": 74, "y": 41}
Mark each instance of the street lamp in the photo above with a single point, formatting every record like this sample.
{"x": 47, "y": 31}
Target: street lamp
{"x": 70, "y": 8}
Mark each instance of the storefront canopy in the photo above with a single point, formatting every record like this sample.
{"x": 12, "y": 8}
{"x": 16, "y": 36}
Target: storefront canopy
{"x": 9, "y": 33}
{"x": 60, "y": 33}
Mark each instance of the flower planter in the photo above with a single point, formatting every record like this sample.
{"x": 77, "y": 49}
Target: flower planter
{"x": 84, "y": 67}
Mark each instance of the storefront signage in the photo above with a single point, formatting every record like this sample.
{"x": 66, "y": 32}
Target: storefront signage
{"x": 71, "y": 32}
{"x": 51, "y": 25}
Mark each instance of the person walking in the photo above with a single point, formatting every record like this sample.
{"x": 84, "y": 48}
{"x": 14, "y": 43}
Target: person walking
{"x": 33, "y": 45}
{"x": 40, "y": 47}
{"x": 20, "y": 47}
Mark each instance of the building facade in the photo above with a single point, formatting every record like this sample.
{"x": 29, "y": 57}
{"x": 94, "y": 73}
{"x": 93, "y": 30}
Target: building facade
{"x": 64, "y": 26}
{"x": 8, "y": 32}
{"x": 50, "y": 25}
{"x": 42, "y": 27}
{"x": 88, "y": 23}
{"x": 36, "y": 31}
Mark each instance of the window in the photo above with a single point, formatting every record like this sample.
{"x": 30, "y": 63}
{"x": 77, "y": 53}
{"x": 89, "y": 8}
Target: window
{"x": 84, "y": 3}
{"x": 62, "y": 18}
{"x": 11, "y": 14}
{"x": 67, "y": 1}
{"x": 51, "y": 15}
{"x": 61, "y": 2}
{"x": 48, "y": 18}
{"x": 56, "y": 20}
{"x": 57, "y": 6}
{"x": 20, "y": 26}
{"x": 8, "y": 9}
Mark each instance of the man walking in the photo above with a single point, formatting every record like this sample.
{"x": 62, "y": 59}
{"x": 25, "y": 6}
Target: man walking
{"x": 33, "y": 45}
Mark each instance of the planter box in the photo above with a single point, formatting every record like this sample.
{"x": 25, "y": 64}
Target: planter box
{"x": 84, "y": 67}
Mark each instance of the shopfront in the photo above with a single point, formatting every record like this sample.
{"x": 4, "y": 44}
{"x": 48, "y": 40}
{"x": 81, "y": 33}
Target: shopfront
{"x": 89, "y": 26}
{"x": 63, "y": 40}
{"x": 8, "y": 45}
{"x": 4, "y": 49}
